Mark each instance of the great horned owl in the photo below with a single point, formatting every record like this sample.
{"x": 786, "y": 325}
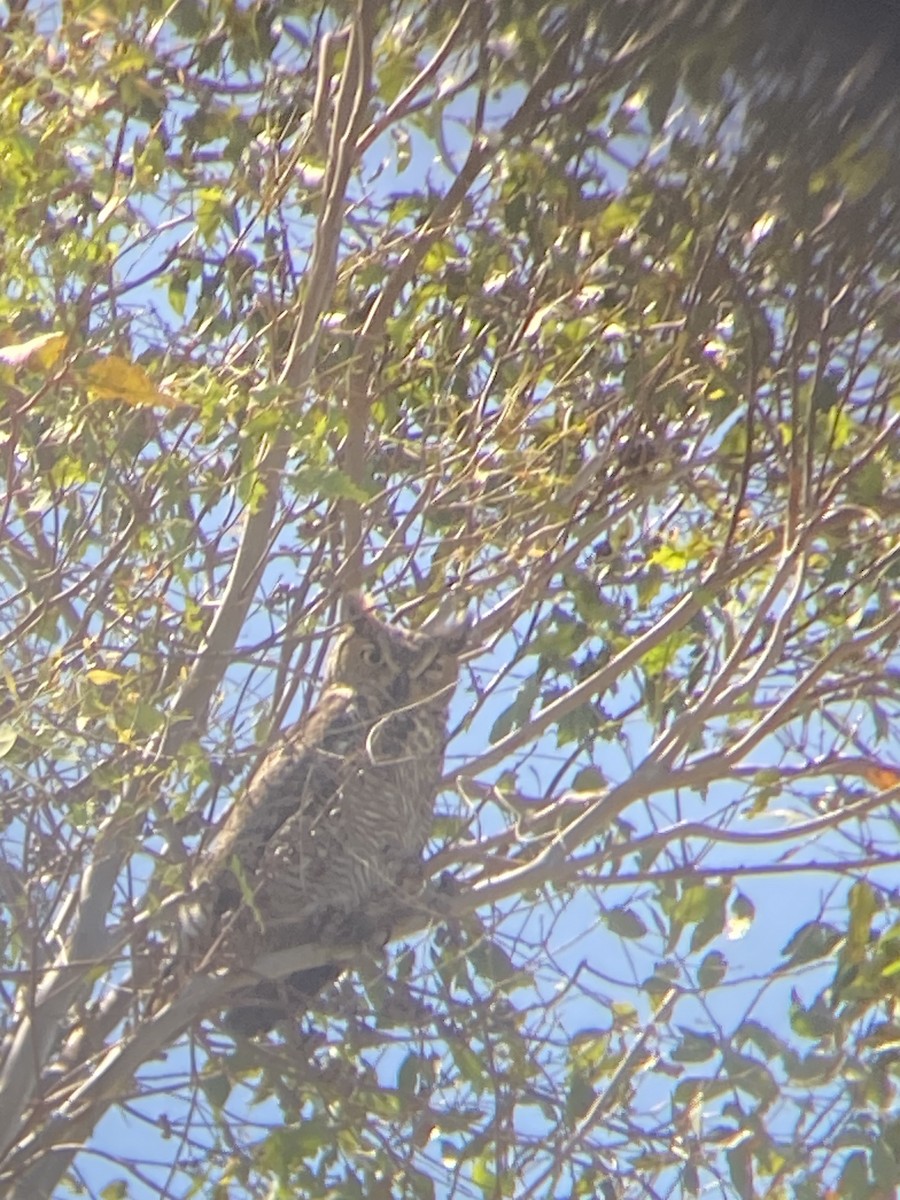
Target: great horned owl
{"x": 338, "y": 814}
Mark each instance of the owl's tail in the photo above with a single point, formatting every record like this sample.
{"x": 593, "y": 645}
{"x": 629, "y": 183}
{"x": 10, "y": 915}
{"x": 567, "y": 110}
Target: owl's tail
{"x": 274, "y": 1000}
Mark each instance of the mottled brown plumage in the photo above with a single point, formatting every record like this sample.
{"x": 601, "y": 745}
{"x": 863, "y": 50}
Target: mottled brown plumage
{"x": 338, "y": 814}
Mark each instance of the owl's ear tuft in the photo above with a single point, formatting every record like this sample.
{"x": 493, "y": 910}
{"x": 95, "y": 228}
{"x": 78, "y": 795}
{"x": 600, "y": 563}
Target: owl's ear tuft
{"x": 449, "y": 625}
{"x": 455, "y": 635}
{"x": 357, "y": 606}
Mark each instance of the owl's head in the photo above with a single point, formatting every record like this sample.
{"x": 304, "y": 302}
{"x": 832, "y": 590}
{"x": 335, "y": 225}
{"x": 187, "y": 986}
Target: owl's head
{"x": 401, "y": 667}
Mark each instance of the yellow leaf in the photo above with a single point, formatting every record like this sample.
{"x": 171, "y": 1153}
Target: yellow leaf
{"x": 670, "y": 558}
{"x": 100, "y": 676}
{"x": 881, "y": 777}
{"x": 7, "y": 739}
{"x": 42, "y": 351}
{"x": 115, "y": 378}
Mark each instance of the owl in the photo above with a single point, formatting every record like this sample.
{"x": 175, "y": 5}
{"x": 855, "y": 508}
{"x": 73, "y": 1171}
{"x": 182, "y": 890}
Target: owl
{"x": 337, "y": 816}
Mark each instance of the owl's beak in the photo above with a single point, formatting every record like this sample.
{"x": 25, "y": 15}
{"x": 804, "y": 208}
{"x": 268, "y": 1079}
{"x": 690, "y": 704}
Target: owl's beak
{"x": 399, "y": 688}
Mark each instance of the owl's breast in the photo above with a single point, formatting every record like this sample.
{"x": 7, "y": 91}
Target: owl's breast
{"x": 405, "y": 735}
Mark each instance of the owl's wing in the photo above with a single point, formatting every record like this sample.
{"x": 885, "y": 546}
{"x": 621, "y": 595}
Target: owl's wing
{"x": 281, "y": 786}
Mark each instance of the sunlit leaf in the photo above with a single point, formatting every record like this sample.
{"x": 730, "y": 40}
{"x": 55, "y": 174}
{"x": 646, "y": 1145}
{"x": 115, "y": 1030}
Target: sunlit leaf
{"x": 100, "y": 676}
{"x": 740, "y": 917}
{"x": 7, "y": 739}
{"x": 43, "y": 351}
{"x": 118, "y": 1190}
{"x": 882, "y": 777}
{"x": 115, "y": 378}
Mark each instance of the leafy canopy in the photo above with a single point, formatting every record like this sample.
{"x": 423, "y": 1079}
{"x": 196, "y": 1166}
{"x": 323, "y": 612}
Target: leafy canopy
{"x": 528, "y": 309}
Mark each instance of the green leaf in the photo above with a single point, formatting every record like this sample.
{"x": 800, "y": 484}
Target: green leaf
{"x": 409, "y": 1074}
{"x": 216, "y": 1088}
{"x": 707, "y": 930}
{"x": 625, "y": 922}
{"x": 702, "y": 904}
{"x": 589, "y": 779}
{"x": 814, "y": 1022}
{"x": 118, "y": 1190}
{"x": 8, "y": 737}
{"x": 863, "y": 906}
{"x": 867, "y": 485}
{"x": 468, "y": 1063}
{"x": 815, "y": 940}
{"x": 694, "y": 1047}
{"x": 760, "y": 1036}
{"x": 517, "y": 713}
{"x": 740, "y": 1169}
{"x": 493, "y": 963}
{"x": 712, "y": 970}
{"x": 211, "y": 207}
{"x": 885, "y": 1165}
{"x": 854, "y": 1183}
{"x": 750, "y": 1076}
{"x": 328, "y": 483}
{"x": 579, "y": 1098}
{"x": 661, "y": 94}
{"x": 814, "y": 1069}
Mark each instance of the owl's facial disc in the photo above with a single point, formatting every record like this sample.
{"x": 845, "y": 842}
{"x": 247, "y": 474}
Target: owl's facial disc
{"x": 399, "y": 688}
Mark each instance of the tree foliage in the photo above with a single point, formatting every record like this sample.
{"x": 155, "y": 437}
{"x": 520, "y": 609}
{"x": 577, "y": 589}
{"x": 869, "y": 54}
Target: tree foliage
{"x": 521, "y": 308}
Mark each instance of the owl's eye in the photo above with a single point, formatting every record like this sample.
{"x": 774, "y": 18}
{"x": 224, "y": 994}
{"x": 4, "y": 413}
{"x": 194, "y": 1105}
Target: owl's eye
{"x": 370, "y": 654}
{"x": 439, "y": 670}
